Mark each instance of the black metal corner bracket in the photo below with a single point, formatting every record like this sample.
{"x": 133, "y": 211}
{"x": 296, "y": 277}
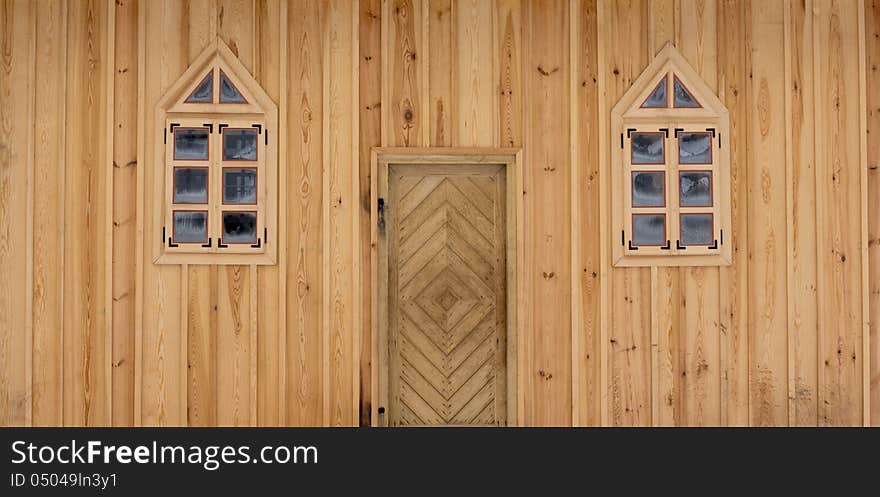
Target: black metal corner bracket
{"x": 714, "y": 245}
{"x": 259, "y": 128}
{"x": 258, "y": 244}
{"x": 677, "y": 131}
{"x": 210, "y": 242}
{"x": 679, "y": 246}
{"x": 170, "y": 243}
{"x": 171, "y": 127}
{"x": 666, "y": 246}
{"x": 630, "y": 131}
{"x": 210, "y": 127}
{"x": 665, "y": 131}
{"x": 220, "y": 243}
{"x": 631, "y": 246}
{"x": 711, "y": 130}
{"x": 221, "y": 126}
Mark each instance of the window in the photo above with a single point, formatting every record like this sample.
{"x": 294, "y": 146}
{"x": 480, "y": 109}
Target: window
{"x": 216, "y": 204}
{"x": 670, "y": 201}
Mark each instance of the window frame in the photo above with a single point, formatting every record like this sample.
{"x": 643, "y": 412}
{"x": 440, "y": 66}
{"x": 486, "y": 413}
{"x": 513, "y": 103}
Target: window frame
{"x": 258, "y": 112}
{"x": 629, "y": 117}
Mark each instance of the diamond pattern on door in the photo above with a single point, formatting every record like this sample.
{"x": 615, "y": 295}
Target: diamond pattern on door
{"x": 447, "y": 286}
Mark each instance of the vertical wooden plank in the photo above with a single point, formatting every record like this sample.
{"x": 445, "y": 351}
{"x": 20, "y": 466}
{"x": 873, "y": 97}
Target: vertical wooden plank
{"x": 161, "y": 379}
{"x": 341, "y": 270}
{"x": 509, "y": 45}
{"x": 802, "y": 247}
{"x": 402, "y": 59}
{"x": 233, "y": 346}
{"x": 236, "y": 26}
{"x": 838, "y": 183}
{"x": 370, "y": 117}
{"x": 700, "y": 310}
{"x": 767, "y": 221}
{"x": 304, "y": 216}
{"x": 16, "y": 98}
{"x": 628, "y": 301}
{"x": 476, "y": 103}
{"x": 86, "y": 383}
{"x": 665, "y": 325}
{"x": 872, "y": 58}
{"x": 440, "y": 71}
{"x": 270, "y": 279}
{"x": 124, "y": 222}
{"x": 283, "y": 195}
{"x": 202, "y": 297}
{"x": 734, "y": 52}
{"x": 585, "y": 207}
{"x": 48, "y": 265}
{"x": 548, "y": 237}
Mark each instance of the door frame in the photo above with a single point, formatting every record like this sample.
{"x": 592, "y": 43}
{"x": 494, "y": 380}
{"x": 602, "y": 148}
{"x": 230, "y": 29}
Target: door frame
{"x": 511, "y": 159}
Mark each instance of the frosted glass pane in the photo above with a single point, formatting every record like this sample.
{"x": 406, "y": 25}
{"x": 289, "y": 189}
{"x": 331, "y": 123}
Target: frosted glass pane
{"x": 239, "y": 227}
{"x": 204, "y": 92}
{"x": 239, "y": 186}
{"x": 649, "y": 229}
{"x": 190, "y": 185}
{"x": 191, "y": 144}
{"x": 682, "y": 97}
{"x": 228, "y": 92}
{"x": 648, "y": 189}
{"x": 695, "y": 188}
{"x": 696, "y": 229}
{"x": 694, "y": 148}
{"x": 190, "y": 227}
{"x": 657, "y": 98}
{"x": 240, "y": 144}
{"x": 647, "y": 148}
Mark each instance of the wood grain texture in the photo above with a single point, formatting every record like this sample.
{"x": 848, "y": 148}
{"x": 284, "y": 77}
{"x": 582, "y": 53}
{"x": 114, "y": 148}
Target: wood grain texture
{"x": 802, "y": 243}
{"x": 548, "y": 237}
{"x": 16, "y": 157}
{"x": 268, "y": 295}
{"x": 585, "y": 221}
{"x": 838, "y": 224}
{"x": 370, "y": 117}
{"x": 872, "y": 45}
{"x": 304, "y": 216}
{"x": 734, "y": 49}
{"x": 48, "y": 234}
{"x": 124, "y": 214}
{"x": 93, "y": 333}
{"x": 86, "y": 383}
{"x": 767, "y": 221}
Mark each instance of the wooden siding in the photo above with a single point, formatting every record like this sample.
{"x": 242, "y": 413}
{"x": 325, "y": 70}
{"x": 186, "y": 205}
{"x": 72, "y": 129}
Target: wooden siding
{"x": 93, "y": 333}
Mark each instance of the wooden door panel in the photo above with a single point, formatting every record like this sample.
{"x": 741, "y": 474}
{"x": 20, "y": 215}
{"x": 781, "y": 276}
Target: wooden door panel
{"x": 446, "y": 340}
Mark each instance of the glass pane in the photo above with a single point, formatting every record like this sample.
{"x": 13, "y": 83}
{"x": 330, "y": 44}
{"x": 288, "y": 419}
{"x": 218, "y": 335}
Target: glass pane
{"x": 191, "y": 185}
{"x": 239, "y": 186}
{"x": 694, "y": 148}
{"x": 657, "y": 98}
{"x": 683, "y": 97}
{"x": 649, "y": 229}
{"x": 648, "y": 189}
{"x": 190, "y": 226}
{"x": 239, "y": 227}
{"x": 228, "y": 92}
{"x": 695, "y": 189}
{"x": 647, "y": 148}
{"x": 204, "y": 92}
{"x": 696, "y": 229}
{"x": 240, "y": 144}
{"x": 191, "y": 144}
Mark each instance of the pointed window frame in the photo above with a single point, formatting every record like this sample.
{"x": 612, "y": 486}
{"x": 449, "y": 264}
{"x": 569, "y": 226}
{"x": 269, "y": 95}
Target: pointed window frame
{"x": 629, "y": 117}
{"x": 175, "y": 111}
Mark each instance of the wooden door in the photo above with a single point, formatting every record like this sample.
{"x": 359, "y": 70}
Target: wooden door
{"x": 446, "y": 329}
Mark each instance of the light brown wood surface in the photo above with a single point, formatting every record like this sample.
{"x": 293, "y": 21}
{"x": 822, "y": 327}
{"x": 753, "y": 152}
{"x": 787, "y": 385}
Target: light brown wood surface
{"x": 447, "y": 286}
{"x": 93, "y": 333}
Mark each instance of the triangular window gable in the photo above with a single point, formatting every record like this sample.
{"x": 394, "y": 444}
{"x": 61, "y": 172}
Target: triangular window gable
{"x": 669, "y": 85}
{"x": 217, "y": 79}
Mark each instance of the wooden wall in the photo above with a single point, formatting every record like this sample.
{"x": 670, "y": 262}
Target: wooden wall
{"x": 93, "y": 333}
